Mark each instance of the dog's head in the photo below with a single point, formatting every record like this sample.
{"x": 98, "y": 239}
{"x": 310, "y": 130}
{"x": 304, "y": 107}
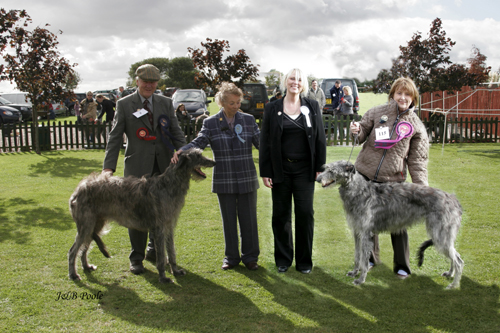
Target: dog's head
{"x": 193, "y": 160}
{"x": 336, "y": 173}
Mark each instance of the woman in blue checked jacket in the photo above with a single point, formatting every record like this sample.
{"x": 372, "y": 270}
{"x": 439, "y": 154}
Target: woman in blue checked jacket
{"x": 231, "y": 135}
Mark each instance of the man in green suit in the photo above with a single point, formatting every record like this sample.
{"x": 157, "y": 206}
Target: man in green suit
{"x": 146, "y": 152}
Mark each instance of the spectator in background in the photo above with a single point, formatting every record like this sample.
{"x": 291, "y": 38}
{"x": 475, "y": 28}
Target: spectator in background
{"x": 107, "y": 107}
{"x": 78, "y": 115}
{"x": 122, "y": 92}
{"x": 89, "y": 115}
{"x": 276, "y": 97}
{"x": 337, "y": 93}
{"x": 181, "y": 114}
{"x": 317, "y": 94}
{"x": 346, "y": 103}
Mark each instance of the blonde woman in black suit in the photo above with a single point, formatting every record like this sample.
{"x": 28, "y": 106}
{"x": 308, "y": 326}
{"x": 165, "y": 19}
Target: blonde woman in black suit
{"x": 292, "y": 153}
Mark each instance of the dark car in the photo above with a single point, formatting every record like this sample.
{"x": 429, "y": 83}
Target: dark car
{"x": 195, "y": 101}
{"x": 25, "y": 109}
{"x": 169, "y": 92}
{"x": 327, "y": 84}
{"x": 9, "y": 115}
{"x": 254, "y": 99}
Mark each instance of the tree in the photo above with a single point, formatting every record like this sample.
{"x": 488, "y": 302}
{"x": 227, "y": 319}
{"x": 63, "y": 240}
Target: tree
{"x": 72, "y": 81}
{"x": 181, "y": 73}
{"x": 477, "y": 65}
{"x": 176, "y": 72}
{"x": 35, "y": 65}
{"x": 213, "y": 69}
{"x": 273, "y": 78}
{"x": 161, "y": 63}
{"x": 427, "y": 63}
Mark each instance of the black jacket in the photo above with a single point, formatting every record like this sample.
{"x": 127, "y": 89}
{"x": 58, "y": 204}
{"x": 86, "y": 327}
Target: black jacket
{"x": 270, "y": 160}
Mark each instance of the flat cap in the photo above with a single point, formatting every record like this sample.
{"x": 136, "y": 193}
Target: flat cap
{"x": 148, "y": 72}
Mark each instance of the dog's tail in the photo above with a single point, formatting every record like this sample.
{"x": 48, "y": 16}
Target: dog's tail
{"x": 421, "y": 250}
{"x": 100, "y": 244}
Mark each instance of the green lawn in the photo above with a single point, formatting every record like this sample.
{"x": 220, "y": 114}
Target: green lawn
{"x": 36, "y": 232}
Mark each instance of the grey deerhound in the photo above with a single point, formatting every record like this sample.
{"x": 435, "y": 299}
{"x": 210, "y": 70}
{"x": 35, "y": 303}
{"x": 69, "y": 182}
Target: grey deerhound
{"x": 152, "y": 203}
{"x": 377, "y": 207}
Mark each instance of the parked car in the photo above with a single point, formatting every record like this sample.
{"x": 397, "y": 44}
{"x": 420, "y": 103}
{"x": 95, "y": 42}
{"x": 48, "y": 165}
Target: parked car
{"x": 59, "y": 108}
{"x": 9, "y": 115}
{"x": 169, "y": 92}
{"x": 25, "y": 109}
{"x": 254, "y": 99}
{"x": 195, "y": 101}
{"x": 327, "y": 84}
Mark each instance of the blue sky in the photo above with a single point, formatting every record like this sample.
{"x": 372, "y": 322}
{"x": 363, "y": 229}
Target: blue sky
{"x": 325, "y": 38}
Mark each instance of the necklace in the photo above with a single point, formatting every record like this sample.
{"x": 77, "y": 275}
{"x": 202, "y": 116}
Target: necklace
{"x": 297, "y": 111}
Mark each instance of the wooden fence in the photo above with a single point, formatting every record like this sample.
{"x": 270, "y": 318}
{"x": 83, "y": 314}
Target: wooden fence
{"x": 468, "y": 103}
{"x": 71, "y": 136}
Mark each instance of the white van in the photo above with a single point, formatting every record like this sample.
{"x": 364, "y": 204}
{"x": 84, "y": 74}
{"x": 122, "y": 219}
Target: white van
{"x": 16, "y": 98}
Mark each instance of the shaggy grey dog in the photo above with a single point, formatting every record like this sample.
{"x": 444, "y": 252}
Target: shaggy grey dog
{"x": 377, "y": 207}
{"x": 140, "y": 203}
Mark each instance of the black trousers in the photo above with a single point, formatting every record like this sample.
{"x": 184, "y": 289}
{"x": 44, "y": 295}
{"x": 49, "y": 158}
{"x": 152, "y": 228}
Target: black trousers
{"x": 139, "y": 239}
{"x": 296, "y": 186}
{"x": 240, "y": 209}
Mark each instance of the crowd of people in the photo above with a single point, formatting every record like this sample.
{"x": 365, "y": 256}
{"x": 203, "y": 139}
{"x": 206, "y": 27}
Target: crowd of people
{"x": 292, "y": 152}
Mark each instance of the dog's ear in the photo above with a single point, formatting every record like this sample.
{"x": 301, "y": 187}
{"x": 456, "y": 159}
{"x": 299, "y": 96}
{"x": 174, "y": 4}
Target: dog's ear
{"x": 350, "y": 168}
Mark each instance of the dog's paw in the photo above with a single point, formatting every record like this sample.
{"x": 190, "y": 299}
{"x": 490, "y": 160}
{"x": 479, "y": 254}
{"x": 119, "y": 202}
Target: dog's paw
{"x": 90, "y": 268}
{"x": 166, "y": 280}
{"x": 447, "y": 274}
{"x": 75, "y": 277}
{"x": 357, "y": 282}
{"x": 352, "y": 273}
{"x": 179, "y": 272}
{"x": 452, "y": 286}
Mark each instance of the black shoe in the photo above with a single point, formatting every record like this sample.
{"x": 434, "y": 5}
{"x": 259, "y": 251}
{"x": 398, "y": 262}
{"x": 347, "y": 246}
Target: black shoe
{"x": 305, "y": 271}
{"x": 136, "y": 267}
{"x": 282, "y": 269}
{"x": 151, "y": 256}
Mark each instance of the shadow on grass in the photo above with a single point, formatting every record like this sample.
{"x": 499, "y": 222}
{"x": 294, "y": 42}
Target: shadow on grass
{"x": 28, "y": 216}
{"x": 194, "y": 305}
{"x": 65, "y": 167}
{"x": 415, "y": 304}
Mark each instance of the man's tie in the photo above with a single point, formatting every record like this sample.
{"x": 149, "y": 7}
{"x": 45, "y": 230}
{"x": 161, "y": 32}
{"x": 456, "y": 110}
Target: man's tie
{"x": 150, "y": 114}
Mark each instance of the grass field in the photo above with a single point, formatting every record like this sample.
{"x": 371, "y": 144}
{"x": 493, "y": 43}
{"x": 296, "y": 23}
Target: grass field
{"x": 36, "y": 232}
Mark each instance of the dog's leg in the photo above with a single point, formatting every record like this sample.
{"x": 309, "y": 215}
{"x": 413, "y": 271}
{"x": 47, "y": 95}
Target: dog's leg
{"x": 357, "y": 251}
{"x": 72, "y": 254}
{"x": 85, "y": 264}
{"x": 366, "y": 245}
{"x": 457, "y": 265}
{"x": 159, "y": 238}
{"x": 172, "y": 256}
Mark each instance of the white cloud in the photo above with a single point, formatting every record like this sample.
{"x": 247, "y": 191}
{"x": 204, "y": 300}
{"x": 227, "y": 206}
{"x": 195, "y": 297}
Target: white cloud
{"x": 326, "y": 38}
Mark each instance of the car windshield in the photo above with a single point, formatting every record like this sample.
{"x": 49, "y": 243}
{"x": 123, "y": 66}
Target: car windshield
{"x": 188, "y": 96}
{"x": 254, "y": 91}
{"x": 4, "y": 101}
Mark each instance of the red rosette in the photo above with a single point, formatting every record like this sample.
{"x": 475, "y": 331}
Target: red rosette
{"x": 143, "y": 134}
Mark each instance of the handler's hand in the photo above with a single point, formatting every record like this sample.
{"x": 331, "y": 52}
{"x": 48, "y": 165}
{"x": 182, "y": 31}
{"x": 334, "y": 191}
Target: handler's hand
{"x": 175, "y": 158}
{"x": 268, "y": 182}
{"x": 107, "y": 171}
{"x": 354, "y": 127}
